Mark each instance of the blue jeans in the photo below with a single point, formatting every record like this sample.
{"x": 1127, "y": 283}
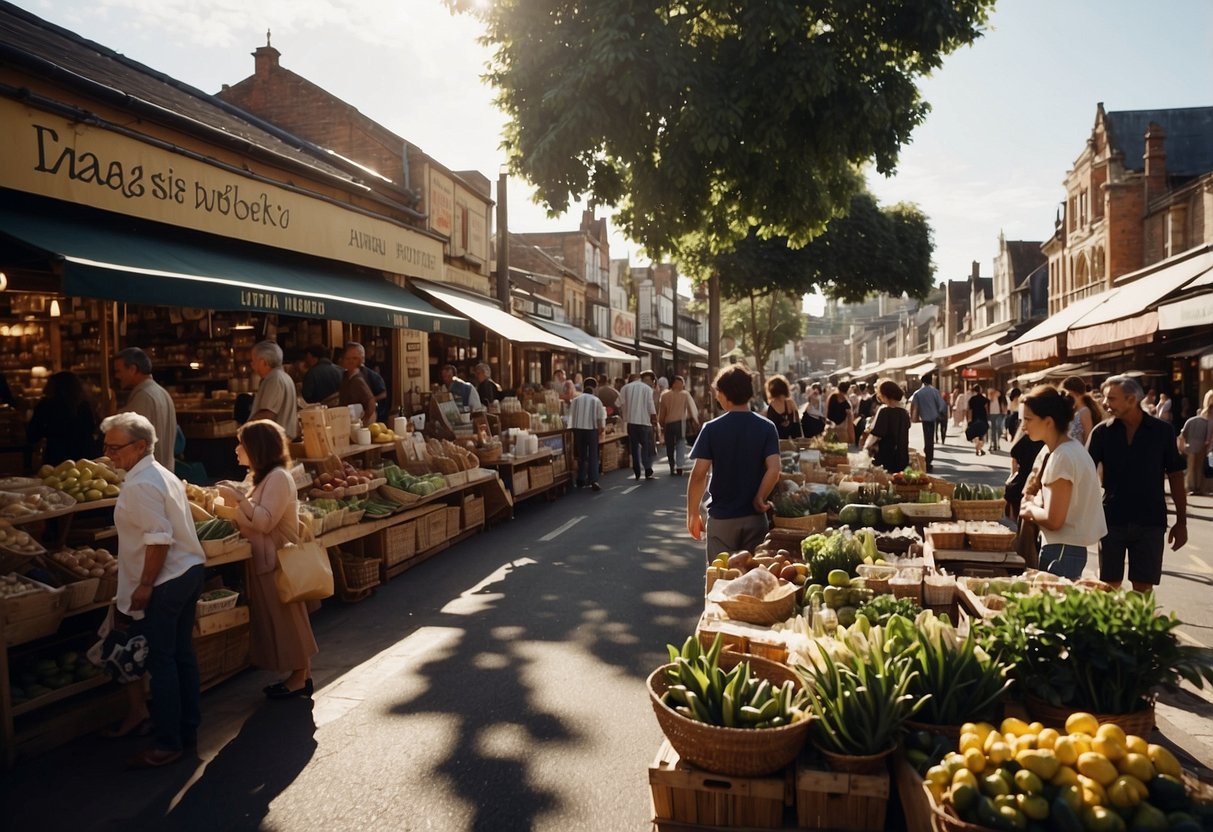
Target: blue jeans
{"x": 640, "y": 445}
{"x": 675, "y": 445}
{"x": 168, "y": 624}
{"x": 585, "y": 445}
{"x": 1063, "y": 559}
{"x": 997, "y": 421}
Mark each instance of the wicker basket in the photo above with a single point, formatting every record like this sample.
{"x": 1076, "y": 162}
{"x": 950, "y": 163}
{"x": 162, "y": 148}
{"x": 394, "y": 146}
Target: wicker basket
{"x": 938, "y": 590}
{"x": 490, "y": 454}
{"x": 360, "y": 573}
{"x": 779, "y": 606}
{"x": 906, "y": 588}
{"x": 737, "y": 752}
{"x": 1139, "y": 723}
{"x": 107, "y": 588}
{"x": 979, "y": 509}
{"x": 811, "y": 523}
{"x": 225, "y": 601}
{"x": 946, "y": 539}
{"x": 877, "y": 577}
{"x": 992, "y": 542}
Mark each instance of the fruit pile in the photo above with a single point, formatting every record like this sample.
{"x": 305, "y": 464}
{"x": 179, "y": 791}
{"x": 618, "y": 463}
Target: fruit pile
{"x": 45, "y": 675}
{"x": 1093, "y": 777}
{"x": 83, "y": 479}
{"x": 967, "y": 491}
{"x": 86, "y": 562}
{"x": 13, "y": 585}
{"x": 381, "y": 433}
{"x": 16, "y": 540}
{"x": 783, "y": 565}
{"x": 422, "y": 486}
{"x": 330, "y": 481}
{"x": 842, "y": 594}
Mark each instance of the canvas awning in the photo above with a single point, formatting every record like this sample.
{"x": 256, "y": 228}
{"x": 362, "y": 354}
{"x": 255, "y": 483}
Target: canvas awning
{"x": 983, "y": 356}
{"x": 587, "y": 344}
{"x": 956, "y": 351}
{"x": 488, "y": 314}
{"x": 1127, "y": 317}
{"x": 121, "y": 261}
{"x": 1043, "y": 342}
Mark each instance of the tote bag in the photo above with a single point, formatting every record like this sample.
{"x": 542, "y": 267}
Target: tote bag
{"x": 303, "y": 572}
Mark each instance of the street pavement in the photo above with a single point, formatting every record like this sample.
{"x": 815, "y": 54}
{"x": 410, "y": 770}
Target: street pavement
{"x": 498, "y": 686}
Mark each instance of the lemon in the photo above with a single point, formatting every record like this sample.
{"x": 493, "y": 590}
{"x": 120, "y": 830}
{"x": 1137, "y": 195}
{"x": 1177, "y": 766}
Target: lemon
{"x": 1109, "y": 747}
{"x": 1047, "y": 737}
{"x": 975, "y": 761}
{"x": 968, "y": 741}
{"x": 939, "y": 775}
{"x": 1066, "y": 751}
{"x": 1033, "y": 805}
{"x": 1093, "y": 793}
{"x": 1081, "y": 722}
{"x": 1014, "y": 725}
{"x": 1136, "y": 745}
{"x": 999, "y": 753}
{"x": 1111, "y": 731}
{"x": 1028, "y": 783}
{"x": 1065, "y": 776}
{"x": 1164, "y": 761}
{"x": 1136, "y": 765}
{"x": 1040, "y": 762}
{"x": 964, "y": 777}
{"x": 1082, "y": 742}
{"x": 1097, "y": 767}
{"x": 991, "y": 738}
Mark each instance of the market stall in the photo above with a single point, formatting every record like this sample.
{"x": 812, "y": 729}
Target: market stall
{"x": 843, "y": 675}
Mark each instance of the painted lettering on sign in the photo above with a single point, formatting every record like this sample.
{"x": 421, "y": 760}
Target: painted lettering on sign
{"x": 83, "y": 166}
{"x": 279, "y": 302}
{"x": 367, "y": 242}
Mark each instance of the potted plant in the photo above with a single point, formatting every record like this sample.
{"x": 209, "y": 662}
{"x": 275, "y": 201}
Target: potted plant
{"x": 858, "y": 692}
{"x": 1106, "y": 653}
{"x": 956, "y": 678}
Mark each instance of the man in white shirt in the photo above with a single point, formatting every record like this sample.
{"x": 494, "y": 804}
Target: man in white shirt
{"x": 161, "y": 567}
{"x": 276, "y": 398}
{"x": 133, "y": 371}
{"x": 640, "y": 414}
{"x": 587, "y": 420}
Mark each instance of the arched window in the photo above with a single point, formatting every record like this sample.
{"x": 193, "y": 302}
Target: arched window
{"x": 1082, "y": 274}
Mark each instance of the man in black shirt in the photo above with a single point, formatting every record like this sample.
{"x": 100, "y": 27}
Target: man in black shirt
{"x": 978, "y": 414}
{"x": 1135, "y": 452}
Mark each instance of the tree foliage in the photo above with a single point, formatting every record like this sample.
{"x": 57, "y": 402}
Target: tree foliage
{"x": 869, "y": 250}
{"x": 762, "y": 324}
{"x": 713, "y": 117}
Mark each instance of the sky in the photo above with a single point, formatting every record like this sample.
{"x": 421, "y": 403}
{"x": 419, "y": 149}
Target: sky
{"x": 1010, "y": 113}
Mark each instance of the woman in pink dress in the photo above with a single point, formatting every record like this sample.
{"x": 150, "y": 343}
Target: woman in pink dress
{"x": 268, "y": 518}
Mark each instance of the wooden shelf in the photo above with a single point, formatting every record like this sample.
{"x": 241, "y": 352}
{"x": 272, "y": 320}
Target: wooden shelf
{"x": 76, "y": 509}
{"x": 352, "y": 450}
{"x": 62, "y": 693}
{"x": 240, "y": 553}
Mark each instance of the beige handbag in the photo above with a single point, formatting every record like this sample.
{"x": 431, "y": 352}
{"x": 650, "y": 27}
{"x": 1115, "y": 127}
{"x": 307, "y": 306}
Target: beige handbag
{"x": 303, "y": 572}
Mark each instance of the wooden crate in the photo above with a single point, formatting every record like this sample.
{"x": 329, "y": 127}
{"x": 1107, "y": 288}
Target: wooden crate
{"x": 220, "y": 621}
{"x": 521, "y": 482}
{"x": 473, "y": 511}
{"x": 608, "y": 454}
{"x": 742, "y": 638}
{"x": 236, "y": 646}
{"x": 431, "y": 529}
{"x": 915, "y": 801}
{"x": 834, "y": 800}
{"x": 542, "y": 474}
{"x": 683, "y": 794}
{"x": 453, "y": 528}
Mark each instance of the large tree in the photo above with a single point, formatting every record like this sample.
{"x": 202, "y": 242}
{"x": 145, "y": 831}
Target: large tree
{"x": 868, "y": 250}
{"x": 763, "y": 324}
{"x": 711, "y": 117}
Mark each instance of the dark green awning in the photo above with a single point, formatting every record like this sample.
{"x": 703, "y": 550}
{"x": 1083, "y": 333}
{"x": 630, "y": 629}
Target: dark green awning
{"x": 115, "y": 261}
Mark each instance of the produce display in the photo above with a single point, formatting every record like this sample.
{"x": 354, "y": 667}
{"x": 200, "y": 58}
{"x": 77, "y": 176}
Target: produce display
{"x": 966, "y": 491}
{"x": 43, "y": 676}
{"x": 842, "y": 596}
{"x": 792, "y": 500}
{"x": 214, "y": 529}
{"x": 87, "y": 562}
{"x": 381, "y": 433}
{"x": 85, "y": 480}
{"x": 843, "y": 550}
{"x": 374, "y": 506}
{"x": 1091, "y": 777}
{"x": 783, "y": 565}
{"x": 41, "y": 499}
{"x": 911, "y": 476}
{"x": 19, "y": 541}
{"x": 701, "y": 690}
{"x": 328, "y": 482}
{"x": 13, "y": 585}
{"x": 423, "y": 485}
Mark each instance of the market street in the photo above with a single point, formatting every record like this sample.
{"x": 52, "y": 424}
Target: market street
{"x": 498, "y": 686}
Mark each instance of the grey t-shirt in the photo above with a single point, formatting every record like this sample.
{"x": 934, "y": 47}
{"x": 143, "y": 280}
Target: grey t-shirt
{"x": 276, "y": 393}
{"x": 152, "y": 401}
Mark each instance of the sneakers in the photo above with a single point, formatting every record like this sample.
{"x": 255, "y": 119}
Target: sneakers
{"x": 595, "y": 486}
{"x": 648, "y": 475}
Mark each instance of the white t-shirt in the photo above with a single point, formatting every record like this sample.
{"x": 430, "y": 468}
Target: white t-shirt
{"x": 1085, "y": 524}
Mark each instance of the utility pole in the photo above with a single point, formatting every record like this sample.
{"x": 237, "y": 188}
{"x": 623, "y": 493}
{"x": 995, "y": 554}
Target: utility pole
{"x": 713, "y": 327}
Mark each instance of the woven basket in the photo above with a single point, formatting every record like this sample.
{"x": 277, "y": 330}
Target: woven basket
{"x": 876, "y": 578}
{"x": 906, "y": 589}
{"x": 946, "y": 540}
{"x": 938, "y": 593}
{"x": 737, "y": 752}
{"x": 360, "y": 573}
{"x": 227, "y": 602}
{"x": 979, "y": 509}
{"x": 945, "y": 820}
{"x": 808, "y": 523}
{"x": 992, "y": 542}
{"x": 1139, "y": 723}
{"x": 489, "y": 454}
{"x": 766, "y": 612}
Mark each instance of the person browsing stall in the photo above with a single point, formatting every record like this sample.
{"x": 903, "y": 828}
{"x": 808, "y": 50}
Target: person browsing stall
{"x": 161, "y": 567}
{"x": 889, "y": 438}
{"x": 133, "y": 371}
{"x": 322, "y": 379}
{"x": 268, "y": 518}
{"x": 640, "y": 415}
{"x": 677, "y": 414}
{"x": 462, "y": 392}
{"x": 1067, "y": 508}
{"x": 740, "y": 451}
{"x": 587, "y": 420}
{"x": 276, "y": 399}
{"x": 354, "y": 388}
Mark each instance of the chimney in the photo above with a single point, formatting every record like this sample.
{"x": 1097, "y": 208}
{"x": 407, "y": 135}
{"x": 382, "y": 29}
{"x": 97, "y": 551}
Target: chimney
{"x": 265, "y": 58}
{"x": 1156, "y": 161}
{"x": 976, "y": 270}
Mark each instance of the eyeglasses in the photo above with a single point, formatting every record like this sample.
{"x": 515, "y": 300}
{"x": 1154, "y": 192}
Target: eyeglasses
{"x": 109, "y": 449}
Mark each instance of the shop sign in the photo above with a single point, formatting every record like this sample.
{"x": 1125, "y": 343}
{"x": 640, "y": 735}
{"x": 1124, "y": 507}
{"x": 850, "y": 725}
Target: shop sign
{"x": 524, "y": 305}
{"x": 441, "y": 203}
{"x": 88, "y": 165}
{"x": 1194, "y": 311}
{"x": 478, "y": 238}
{"x": 623, "y": 326}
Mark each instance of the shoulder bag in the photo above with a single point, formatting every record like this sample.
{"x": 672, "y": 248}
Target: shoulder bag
{"x": 1027, "y": 538}
{"x": 303, "y": 572}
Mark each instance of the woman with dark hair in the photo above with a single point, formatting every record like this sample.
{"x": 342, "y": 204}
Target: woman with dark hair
{"x": 781, "y": 409}
{"x": 268, "y": 518}
{"x": 1087, "y": 412}
{"x": 838, "y": 411}
{"x": 1069, "y": 507}
{"x": 64, "y": 417}
{"x": 977, "y": 413}
{"x": 889, "y": 437}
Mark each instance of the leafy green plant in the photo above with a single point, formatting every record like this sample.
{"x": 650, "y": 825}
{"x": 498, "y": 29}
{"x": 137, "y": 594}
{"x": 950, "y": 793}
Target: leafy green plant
{"x": 959, "y": 680}
{"x": 860, "y": 697}
{"x": 1103, "y": 652}
{"x": 883, "y": 607}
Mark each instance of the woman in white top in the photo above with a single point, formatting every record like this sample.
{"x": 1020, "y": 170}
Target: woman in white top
{"x": 1069, "y": 507}
{"x": 959, "y": 404}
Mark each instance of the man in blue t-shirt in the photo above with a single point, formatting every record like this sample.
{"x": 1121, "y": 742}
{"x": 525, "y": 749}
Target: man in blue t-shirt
{"x": 741, "y": 449}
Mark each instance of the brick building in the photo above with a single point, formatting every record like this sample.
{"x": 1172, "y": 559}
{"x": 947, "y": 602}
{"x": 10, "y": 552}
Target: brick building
{"x": 583, "y": 258}
{"x": 1140, "y": 191}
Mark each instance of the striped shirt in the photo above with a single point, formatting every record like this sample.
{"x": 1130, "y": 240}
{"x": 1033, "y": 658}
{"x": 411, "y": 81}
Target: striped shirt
{"x": 587, "y": 412}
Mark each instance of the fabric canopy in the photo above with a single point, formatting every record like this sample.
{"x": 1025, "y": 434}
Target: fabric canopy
{"x": 587, "y": 344}
{"x": 983, "y": 356}
{"x": 121, "y": 262}
{"x": 488, "y": 314}
{"x": 957, "y": 350}
{"x": 1043, "y": 341}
